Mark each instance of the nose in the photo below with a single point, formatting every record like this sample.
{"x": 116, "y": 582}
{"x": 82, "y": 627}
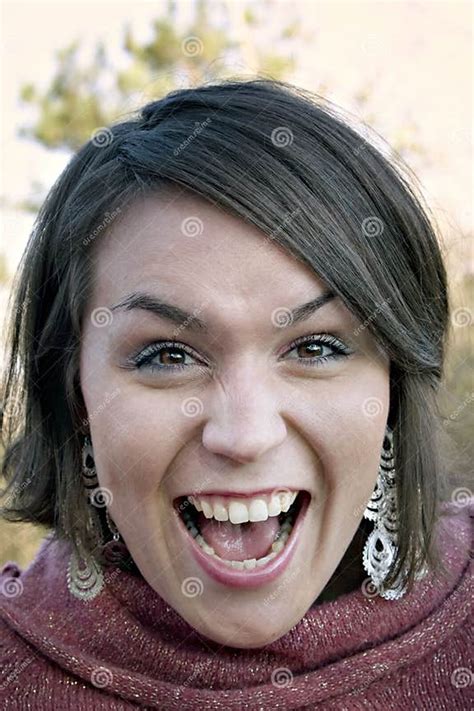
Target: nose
{"x": 245, "y": 421}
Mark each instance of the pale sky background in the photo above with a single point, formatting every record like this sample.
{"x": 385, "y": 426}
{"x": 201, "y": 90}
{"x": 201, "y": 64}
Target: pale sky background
{"x": 416, "y": 58}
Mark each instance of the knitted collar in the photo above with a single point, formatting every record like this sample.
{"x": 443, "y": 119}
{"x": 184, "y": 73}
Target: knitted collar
{"x": 145, "y": 650}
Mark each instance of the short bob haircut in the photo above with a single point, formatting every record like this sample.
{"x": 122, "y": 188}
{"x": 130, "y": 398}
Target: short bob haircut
{"x": 289, "y": 162}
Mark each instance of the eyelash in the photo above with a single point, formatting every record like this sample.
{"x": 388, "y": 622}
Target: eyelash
{"x": 143, "y": 359}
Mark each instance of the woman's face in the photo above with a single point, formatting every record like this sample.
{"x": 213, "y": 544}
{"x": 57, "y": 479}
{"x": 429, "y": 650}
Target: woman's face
{"x": 248, "y": 419}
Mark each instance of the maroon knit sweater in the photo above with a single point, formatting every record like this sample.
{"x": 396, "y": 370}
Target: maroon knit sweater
{"x": 128, "y": 649}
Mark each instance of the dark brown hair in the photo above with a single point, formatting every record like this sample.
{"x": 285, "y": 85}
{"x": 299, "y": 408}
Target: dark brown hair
{"x": 289, "y": 162}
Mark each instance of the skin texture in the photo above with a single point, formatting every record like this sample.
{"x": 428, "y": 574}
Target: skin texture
{"x": 264, "y": 418}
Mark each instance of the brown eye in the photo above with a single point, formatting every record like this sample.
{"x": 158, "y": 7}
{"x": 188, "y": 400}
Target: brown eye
{"x": 164, "y": 356}
{"x": 309, "y": 349}
{"x": 171, "y": 356}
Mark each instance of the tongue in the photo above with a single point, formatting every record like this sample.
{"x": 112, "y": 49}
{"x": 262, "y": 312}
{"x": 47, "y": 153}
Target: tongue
{"x": 239, "y": 541}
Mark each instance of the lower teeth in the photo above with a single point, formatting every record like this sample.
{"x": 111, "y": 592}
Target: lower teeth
{"x": 277, "y": 545}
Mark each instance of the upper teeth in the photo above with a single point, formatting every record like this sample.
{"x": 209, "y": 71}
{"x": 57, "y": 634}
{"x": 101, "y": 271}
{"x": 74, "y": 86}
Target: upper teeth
{"x": 258, "y": 508}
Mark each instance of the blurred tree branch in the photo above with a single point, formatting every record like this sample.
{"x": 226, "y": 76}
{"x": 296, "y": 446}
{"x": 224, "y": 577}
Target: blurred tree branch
{"x": 81, "y": 98}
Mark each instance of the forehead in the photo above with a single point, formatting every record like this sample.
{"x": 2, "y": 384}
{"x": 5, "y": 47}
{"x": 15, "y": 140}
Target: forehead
{"x": 175, "y": 243}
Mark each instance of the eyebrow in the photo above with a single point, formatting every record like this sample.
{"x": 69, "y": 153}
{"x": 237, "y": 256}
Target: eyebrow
{"x": 171, "y": 312}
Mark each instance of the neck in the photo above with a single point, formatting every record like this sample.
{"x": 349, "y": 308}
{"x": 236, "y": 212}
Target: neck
{"x": 350, "y": 573}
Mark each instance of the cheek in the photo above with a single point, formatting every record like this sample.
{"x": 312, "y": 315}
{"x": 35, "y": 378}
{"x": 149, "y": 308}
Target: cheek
{"x": 136, "y": 439}
{"x": 345, "y": 422}
{"x": 355, "y": 437}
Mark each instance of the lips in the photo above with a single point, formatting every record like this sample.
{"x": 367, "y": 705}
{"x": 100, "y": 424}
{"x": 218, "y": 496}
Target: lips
{"x": 247, "y": 572}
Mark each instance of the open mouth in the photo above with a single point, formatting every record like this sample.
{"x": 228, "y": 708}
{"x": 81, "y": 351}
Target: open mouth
{"x": 242, "y": 533}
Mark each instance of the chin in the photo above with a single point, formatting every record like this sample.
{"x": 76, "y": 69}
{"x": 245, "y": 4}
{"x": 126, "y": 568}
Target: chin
{"x": 236, "y": 636}
{"x": 247, "y": 625}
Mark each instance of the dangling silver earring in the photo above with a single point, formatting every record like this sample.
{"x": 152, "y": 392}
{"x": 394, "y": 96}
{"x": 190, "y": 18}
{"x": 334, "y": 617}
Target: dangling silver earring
{"x": 383, "y": 510}
{"x": 85, "y": 579}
